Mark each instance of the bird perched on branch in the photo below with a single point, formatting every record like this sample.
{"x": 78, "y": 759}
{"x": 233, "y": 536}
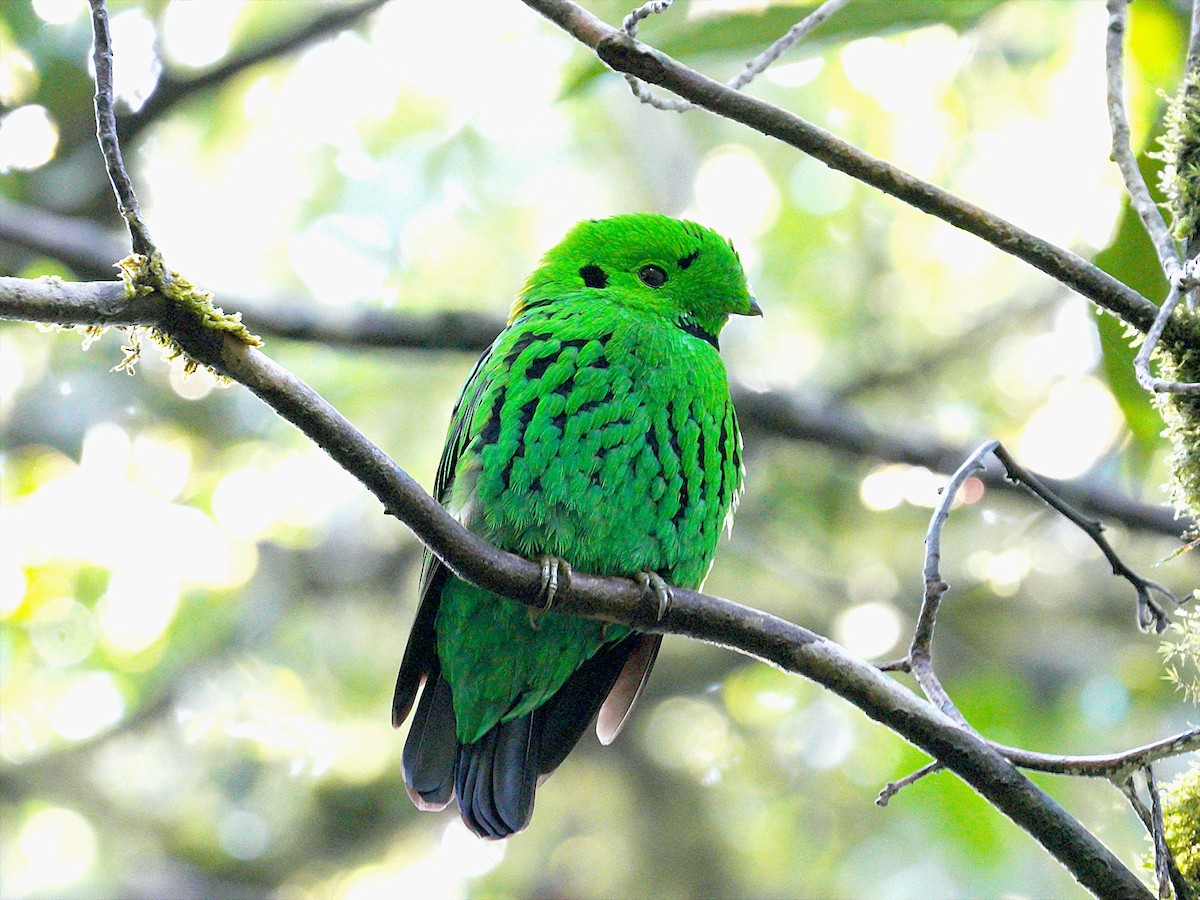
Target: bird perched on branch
{"x": 596, "y": 432}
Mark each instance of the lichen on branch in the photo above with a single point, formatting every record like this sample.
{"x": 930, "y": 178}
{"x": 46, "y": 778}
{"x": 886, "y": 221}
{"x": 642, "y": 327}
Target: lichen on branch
{"x": 1179, "y": 179}
{"x": 145, "y": 274}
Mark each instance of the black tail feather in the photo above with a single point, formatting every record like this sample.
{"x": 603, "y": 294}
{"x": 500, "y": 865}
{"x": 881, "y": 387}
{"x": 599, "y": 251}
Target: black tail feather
{"x": 431, "y": 748}
{"x": 497, "y": 777}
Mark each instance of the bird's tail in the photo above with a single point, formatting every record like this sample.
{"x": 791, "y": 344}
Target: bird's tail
{"x": 495, "y": 777}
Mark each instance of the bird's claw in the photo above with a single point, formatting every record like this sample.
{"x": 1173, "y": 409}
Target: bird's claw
{"x": 556, "y": 579}
{"x": 654, "y": 587}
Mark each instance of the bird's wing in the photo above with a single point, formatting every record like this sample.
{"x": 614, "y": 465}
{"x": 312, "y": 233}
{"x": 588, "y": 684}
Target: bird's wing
{"x": 420, "y": 656}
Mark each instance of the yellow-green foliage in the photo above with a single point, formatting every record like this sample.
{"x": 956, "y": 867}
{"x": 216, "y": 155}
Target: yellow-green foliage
{"x": 1181, "y": 816}
{"x": 142, "y": 275}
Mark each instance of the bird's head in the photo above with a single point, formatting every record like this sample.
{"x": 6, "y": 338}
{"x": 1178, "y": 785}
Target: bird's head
{"x": 654, "y": 264}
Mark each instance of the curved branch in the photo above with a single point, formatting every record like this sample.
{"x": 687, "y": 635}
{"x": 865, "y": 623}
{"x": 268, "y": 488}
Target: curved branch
{"x": 90, "y": 250}
{"x": 631, "y": 57}
{"x": 714, "y": 619}
{"x": 1113, "y": 766}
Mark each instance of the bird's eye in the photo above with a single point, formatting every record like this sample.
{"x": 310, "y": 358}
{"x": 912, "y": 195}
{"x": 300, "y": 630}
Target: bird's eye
{"x": 652, "y": 276}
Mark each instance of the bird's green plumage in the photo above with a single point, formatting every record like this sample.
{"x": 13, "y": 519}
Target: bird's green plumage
{"x": 598, "y": 428}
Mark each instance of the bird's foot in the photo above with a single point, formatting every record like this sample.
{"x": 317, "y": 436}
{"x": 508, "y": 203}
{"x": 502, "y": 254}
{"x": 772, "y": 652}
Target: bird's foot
{"x": 556, "y": 579}
{"x": 653, "y": 587}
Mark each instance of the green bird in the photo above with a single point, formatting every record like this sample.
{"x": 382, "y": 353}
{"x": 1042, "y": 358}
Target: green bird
{"x": 596, "y": 432}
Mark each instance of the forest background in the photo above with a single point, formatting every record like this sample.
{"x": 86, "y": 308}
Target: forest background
{"x": 203, "y": 613}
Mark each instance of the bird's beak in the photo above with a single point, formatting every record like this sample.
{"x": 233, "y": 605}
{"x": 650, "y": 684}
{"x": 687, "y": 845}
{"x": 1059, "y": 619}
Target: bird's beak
{"x": 754, "y": 310}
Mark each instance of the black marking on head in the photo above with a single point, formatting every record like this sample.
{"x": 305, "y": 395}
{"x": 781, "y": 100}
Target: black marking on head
{"x": 538, "y": 367}
{"x": 692, "y": 327}
{"x": 491, "y": 429}
{"x": 685, "y": 261}
{"x": 593, "y": 276}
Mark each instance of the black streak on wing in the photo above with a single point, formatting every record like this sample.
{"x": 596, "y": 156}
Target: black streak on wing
{"x": 538, "y": 367}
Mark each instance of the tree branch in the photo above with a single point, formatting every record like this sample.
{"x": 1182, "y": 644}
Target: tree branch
{"x": 750, "y": 71}
{"x": 628, "y": 56}
{"x": 701, "y": 616}
{"x": 91, "y": 250}
{"x": 1122, "y": 153}
{"x": 106, "y": 133}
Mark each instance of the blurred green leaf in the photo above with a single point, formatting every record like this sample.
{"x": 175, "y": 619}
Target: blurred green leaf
{"x": 751, "y": 33}
{"x": 1131, "y": 258}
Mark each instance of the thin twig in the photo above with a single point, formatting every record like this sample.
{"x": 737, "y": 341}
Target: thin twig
{"x": 796, "y": 33}
{"x": 1158, "y": 832}
{"x": 1128, "y": 787}
{"x": 920, "y": 652}
{"x": 750, "y": 71}
{"x": 1111, "y": 766}
{"x": 106, "y": 133}
{"x": 1122, "y": 154}
{"x": 1149, "y": 613}
{"x": 894, "y": 787}
{"x": 1141, "y": 363}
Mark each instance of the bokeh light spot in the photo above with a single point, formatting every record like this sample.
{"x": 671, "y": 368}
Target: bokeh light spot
{"x": 28, "y": 138}
{"x": 57, "y": 847}
{"x": 868, "y": 629}
{"x": 58, "y": 12}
